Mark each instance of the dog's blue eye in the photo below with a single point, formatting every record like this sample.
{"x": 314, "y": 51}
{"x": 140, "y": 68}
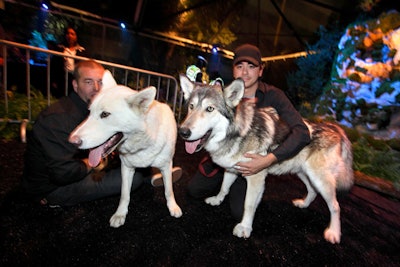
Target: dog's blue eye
{"x": 104, "y": 114}
{"x": 210, "y": 109}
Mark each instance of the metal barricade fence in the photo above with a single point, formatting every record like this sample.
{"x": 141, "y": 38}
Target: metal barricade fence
{"x": 24, "y": 65}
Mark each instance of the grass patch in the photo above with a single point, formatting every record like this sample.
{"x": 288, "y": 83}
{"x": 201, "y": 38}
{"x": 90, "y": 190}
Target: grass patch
{"x": 375, "y": 157}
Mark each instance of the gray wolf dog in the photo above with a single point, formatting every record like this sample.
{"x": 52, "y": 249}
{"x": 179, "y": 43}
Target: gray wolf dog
{"x": 227, "y": 128}
{"x": 144, "y": 131}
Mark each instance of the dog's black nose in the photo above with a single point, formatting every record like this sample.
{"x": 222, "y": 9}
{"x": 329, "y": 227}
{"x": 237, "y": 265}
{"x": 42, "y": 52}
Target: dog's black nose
{"x": 184, "y": 132}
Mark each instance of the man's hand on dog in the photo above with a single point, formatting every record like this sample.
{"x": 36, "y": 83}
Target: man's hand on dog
{"x": 256, "y": 163}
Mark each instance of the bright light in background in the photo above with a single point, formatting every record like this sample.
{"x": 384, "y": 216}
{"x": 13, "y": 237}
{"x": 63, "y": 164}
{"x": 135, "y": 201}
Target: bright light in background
{"x": 123, "y": 26}
{"x": 45, "y": 4}
{"x": 214, "y": 50}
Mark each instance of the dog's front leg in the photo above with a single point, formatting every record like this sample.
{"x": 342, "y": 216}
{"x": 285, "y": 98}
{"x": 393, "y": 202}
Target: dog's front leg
{"x": 228, "y": 180}
{"x": 254, "y": 192}
{"x": 119, "y": 216}
{"x": 173, "y": 207}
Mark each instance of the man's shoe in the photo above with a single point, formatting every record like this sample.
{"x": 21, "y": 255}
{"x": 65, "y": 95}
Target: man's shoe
{"x": 44, "y": 202}
{"x": 157, "y": 179}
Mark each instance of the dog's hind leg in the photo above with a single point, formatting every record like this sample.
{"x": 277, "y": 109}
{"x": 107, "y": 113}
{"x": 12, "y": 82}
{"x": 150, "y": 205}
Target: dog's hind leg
{"x": 254, "y": 193}
{"x": 328, "y": 191}
{"x": 227, "y": 182}
{"x": 173, "y": 207}
{"x": 119, "y": 216}
{"x": 311, "y": 193}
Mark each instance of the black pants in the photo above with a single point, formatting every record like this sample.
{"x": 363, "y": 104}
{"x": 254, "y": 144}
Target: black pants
{"x": 207, "y": 182}
{"x": 89, "y": 189}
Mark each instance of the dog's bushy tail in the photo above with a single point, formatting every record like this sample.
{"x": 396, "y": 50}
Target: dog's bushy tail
{"x": 346, "y": 178}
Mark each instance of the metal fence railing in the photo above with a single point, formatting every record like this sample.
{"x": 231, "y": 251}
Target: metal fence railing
{"x": 23, "y": 71}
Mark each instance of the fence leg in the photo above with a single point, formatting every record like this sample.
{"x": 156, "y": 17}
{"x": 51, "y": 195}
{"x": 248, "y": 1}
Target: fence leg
{"x": 24, "y": 124}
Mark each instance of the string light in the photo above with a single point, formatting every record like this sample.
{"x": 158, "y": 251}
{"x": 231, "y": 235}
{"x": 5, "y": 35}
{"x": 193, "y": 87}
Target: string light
{"x": 214, "y": 49}
{"x": 45, "y": 5}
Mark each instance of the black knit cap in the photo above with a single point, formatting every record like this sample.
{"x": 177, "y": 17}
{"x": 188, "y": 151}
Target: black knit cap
{"x": 249, "y": 53}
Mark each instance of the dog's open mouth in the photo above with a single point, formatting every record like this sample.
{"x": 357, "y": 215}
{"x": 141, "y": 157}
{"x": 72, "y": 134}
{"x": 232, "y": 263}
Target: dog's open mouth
{"x": 102, "y": 151}
{"x": 195, "y": 146}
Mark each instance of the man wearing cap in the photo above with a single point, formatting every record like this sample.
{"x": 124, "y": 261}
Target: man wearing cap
{"x": 248, "y": 66}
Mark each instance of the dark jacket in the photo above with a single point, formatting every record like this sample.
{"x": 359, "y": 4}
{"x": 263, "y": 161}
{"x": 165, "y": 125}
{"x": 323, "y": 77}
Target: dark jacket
{"x": 50, "y": 160}
{"x": 299, "y": 136}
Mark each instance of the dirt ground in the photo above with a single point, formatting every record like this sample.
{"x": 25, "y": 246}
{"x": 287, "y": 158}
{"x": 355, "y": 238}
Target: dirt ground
{"x": 283, "y": 235}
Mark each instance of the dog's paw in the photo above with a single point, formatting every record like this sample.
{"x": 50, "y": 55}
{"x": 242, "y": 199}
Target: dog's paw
{"x": 300, "y": 203}
{"x": 175, "y": 211}
{"x": 213, "y": 201}
{"x": 117, "y": 220}
{"x": 332, "y": 236}
{"x": 242, "y": 231}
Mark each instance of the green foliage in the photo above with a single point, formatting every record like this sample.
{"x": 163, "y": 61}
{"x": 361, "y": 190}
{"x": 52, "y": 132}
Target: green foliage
{"x": 394, "y": 143}
{"x": 355, "y": 81}
{"x": 204, "y": 26}
{"x": 395, "y": 75}
{"x": 314, "y": 70}
{"x": 354, "y": 77}
{"x": 18, "y": 108}
{"x": 377, "y": 158}
{"x": 352, "y": 134}
{"x": 9, "y": 131}
{"x": 386, "y": 87}
{"x": 332, "y": 102}
{"x": 388, "y": 22}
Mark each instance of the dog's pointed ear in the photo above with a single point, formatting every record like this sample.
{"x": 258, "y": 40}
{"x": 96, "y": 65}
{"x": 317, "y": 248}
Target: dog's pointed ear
{"x": 234, "y": 92}
{"x": 187, "y": 86}
{"x": 143, "y": 99}
{"x": 108, "y": 80}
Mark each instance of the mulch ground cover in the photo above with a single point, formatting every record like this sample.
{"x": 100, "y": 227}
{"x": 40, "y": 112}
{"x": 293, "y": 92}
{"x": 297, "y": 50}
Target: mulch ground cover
{"x": 283, "y": 235}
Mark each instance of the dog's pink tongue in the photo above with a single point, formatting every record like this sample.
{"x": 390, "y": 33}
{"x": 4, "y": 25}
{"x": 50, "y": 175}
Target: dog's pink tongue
{"x": 191, "y": 146}
{"x": 95, "y": 156}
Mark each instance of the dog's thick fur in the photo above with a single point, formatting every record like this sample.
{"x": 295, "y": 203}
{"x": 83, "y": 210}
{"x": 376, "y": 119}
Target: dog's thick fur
{"x": 228, "y": 128}
{"x": 144, "y": 131}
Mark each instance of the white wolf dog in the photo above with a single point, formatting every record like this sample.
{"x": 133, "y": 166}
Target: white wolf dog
{"x": 144, "y": 131}
{"x": 228, "y": 128}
